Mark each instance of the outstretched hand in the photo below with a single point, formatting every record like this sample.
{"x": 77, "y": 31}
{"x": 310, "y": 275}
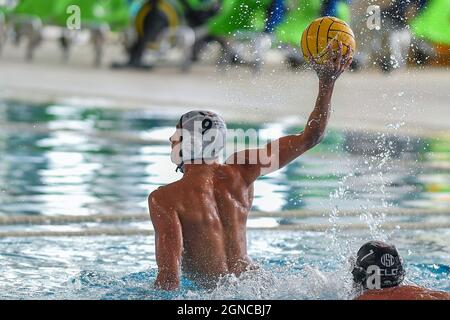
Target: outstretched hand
{"x": 334, "y": 66}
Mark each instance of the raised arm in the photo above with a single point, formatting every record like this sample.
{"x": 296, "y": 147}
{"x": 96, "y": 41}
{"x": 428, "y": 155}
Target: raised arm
{"x": 168, "y": 243}
{"x": 279, "y": 153}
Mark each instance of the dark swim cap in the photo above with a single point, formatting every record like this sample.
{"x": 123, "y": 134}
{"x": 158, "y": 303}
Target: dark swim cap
{"x": 382, "y": 257}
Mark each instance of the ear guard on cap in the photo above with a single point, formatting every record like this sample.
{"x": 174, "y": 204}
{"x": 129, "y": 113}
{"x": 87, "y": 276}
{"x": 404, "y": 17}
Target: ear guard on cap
{"x": 359, "y": 274}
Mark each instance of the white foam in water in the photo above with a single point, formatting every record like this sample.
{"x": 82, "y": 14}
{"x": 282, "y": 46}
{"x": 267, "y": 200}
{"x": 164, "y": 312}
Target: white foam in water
{"x": 279, "y": 284}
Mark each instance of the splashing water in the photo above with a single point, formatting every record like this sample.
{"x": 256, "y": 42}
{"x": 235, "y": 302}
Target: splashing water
{"x": 280, "y": 283}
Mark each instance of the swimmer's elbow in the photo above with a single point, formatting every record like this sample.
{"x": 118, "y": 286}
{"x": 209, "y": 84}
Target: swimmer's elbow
{"x": 313, "y": 140}
{"x": 318, "y": 140}
{"x": 313, "y": 136}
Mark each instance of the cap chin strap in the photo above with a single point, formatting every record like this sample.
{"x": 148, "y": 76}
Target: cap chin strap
{"x": 180, "y": 167}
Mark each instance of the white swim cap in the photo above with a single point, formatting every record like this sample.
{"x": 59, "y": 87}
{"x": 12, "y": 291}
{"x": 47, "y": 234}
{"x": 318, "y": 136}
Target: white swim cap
{"x": 203, "y": 135}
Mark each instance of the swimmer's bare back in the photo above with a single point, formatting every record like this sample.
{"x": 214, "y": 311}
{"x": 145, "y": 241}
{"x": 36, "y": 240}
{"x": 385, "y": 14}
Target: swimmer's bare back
{"x": 404, "y": 293}
{"x": 200, "y": 220}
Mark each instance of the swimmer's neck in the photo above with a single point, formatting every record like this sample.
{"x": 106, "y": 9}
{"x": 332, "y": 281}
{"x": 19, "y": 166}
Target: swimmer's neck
{"x": 193, "y": 168}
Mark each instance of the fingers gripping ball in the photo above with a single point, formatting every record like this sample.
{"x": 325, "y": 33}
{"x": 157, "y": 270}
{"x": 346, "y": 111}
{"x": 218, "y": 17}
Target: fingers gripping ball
{"x": 326, "y": 30}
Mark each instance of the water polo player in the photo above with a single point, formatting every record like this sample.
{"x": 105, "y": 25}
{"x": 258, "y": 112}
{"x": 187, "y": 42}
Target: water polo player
{"x": 200, "y": 220}
{"x": 378, "y": 274}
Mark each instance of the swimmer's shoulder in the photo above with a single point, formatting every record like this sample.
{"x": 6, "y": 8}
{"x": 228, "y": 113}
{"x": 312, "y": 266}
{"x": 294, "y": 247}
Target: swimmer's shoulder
{"x": 405, "y": 292}
{"x": 373, "y": 295}
{"x": 168, "y": 188}
{"x": 156, "y": 194}
{"x": 154, "y": 199}
{"x": 421, "y": 293}
{"x": 162, "y": 203}
{"x": 428, "y": 294}
{"x": 160, "y": 195}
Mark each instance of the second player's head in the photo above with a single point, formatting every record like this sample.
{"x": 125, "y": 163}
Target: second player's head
{"x": 378, "y": 265}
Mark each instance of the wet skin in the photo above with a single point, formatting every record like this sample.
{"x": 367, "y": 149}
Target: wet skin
{"x": 200, "y": 220}
{"x": 404, "y": 293}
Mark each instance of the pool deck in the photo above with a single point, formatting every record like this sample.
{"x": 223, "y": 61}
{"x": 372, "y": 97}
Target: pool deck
{"x": 413, "y": 102}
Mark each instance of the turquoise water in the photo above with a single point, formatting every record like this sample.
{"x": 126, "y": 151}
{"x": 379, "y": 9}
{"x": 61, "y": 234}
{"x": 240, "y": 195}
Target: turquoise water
{"x": 294, "y": 266}
{"x": 66, "y": 160}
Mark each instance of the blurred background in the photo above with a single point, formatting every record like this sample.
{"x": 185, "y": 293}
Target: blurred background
{"x": 90, "y": 92}
{"x": 390, "y": 33}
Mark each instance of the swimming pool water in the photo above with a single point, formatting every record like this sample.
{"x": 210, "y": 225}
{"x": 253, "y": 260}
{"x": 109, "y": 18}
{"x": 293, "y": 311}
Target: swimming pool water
{"x": 63, "y": 160}
{"x": 295, "y": 265}
{"x": 72, "y": 160}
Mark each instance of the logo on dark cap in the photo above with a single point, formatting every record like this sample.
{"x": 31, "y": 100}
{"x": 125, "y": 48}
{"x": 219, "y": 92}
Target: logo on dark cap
{"x": 387, "y": 260}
